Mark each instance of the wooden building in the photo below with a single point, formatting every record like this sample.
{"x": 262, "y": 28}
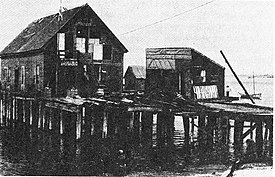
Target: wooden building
{"x": 71, "y": 50}
{"x": 135, "y": 78}
{"x": 184, "y": 70}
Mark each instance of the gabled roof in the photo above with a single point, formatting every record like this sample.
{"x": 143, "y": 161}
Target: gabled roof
{"x": 138, "y": 71}
{"x": 39, "y": 32}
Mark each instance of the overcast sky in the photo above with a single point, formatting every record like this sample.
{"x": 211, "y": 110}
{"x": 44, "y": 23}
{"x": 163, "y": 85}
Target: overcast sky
{"x": 243, "y": 30}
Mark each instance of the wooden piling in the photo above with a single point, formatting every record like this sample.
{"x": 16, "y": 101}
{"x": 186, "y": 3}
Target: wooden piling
{"x": 201, "y": 133}
{"x": 4, "y": 118}
{"x": 238, "y": 142}
{"x": 27, "y": 112}
{"x": 105, "y": 124}
{"x": 211, "y": 123}
{"x": 1, "y": 110}
{"x": 170, "y": 129}
{"x": 56, "y": 120}
{"x": 62, "y": 114}
{"x": 259, "y": 138}
{"x": 97, "y": 115}
{"x": 146, "y": 128}
{"x": 186, "y": 126}
{"x": 35, "y": 114}
{"x": 11, "y": 112}
{"x": 136, "y": 128}
{"x": 46, "y": 118}
{"x": 160, "y": 129}
{"x": 20, "y": 111}
{"x": 70, "y": 125}
{"x": 270, "y": 138}
{"x": 111, "y": 124}
{"x": 79, "y": 123}
{"x": 87, "y": 120}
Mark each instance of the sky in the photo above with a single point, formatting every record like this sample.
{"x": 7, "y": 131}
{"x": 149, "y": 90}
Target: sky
{"x": 243, "y": 30}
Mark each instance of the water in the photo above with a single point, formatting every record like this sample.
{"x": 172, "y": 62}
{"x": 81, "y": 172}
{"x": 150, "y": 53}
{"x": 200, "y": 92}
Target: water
{"x": 262, "y": 85}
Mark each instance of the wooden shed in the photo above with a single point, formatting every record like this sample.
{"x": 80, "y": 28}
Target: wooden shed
{"x": 71, "y": 50}
{"x": 135, "y": 78}
{"x": 184, "y": 70}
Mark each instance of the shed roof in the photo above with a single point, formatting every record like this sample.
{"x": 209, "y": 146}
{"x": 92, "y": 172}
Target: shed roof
{"x": 36, "y": 35}
{"x": 138, "y": 71}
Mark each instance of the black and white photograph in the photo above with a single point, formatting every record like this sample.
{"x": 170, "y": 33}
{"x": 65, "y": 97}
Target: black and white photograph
{"x": 169, "y": 88}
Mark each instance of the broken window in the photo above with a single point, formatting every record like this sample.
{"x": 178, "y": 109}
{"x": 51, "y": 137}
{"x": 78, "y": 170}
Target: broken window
{"x": 80, "y": 44}
{"x": 203, "y": 75}
{"x": 107, "y": 52}
{"x": 98, "y": 52}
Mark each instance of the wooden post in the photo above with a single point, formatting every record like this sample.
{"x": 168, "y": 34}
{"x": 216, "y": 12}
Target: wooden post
{"x": 146, "y": 128}
{"x": 35, "y": 113}
{"x": 160, "y": 129}
{"x": 46, "y": 117}
{"x": 265, "y": 139}
{"x": 8, "y": 110}
{"x": 70, "y": 125}
{"x": 40, "y": 115}
{"x": 170, "y": 129}
{"x": 201, "y": 134}
{"x": 56, "y": 120}
{"x": 251, "y": 134}
{"x": 111, "y": 124}
{"x": 259, "y": 139}
{"x": 136, "y": 131}
{"x": 11, "y": 112}
{"x": 238, "y": 143}
{"x": 4, "y": 110}
{"x": 88, "y": 120}
{"x": 97, "y": 114}
{"x": 211, "y": 123}
{"x": 78, "y": 123}
{"x": 62, "y": 114}
{"x": 27, "y": 112}
{"x": 20, "y": 111}
{"x": 270, "y": 138}
{"x": 105, "y": 124}
{"x": 186, "y": 126}
{"x": 1, "y": 110}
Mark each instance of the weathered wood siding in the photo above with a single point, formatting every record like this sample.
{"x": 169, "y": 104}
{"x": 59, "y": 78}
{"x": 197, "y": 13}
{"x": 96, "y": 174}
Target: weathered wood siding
{"x": 29, "y": 62}
{"x": 180, "y": 69}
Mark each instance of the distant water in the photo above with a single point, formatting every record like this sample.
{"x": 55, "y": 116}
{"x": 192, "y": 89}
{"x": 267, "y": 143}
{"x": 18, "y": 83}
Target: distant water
{"x": 262, "y": 85}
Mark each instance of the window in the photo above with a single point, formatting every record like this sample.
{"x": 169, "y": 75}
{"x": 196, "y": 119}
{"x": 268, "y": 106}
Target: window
{"x": 5, "y": 73}
{"x": 203, "y": 75}
{"x": 23, "y": 77}
{"x": 98, "y": 52}
{"x": 36, "y": 74}
{"x": 61, "y": 41}
{"x": 80, "y": 44}
{"x": 107, "y": 52}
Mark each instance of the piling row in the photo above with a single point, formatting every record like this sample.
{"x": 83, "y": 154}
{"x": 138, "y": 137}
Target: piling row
{"x": 135, "y": 128}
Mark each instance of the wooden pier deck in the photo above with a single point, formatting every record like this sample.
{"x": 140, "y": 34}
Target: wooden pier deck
{"x": 129, "y": 120}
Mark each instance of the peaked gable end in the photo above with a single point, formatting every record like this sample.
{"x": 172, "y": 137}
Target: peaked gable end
{"x": 39, "y": 32}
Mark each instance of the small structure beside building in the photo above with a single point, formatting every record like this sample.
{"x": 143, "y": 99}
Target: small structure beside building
{"x": 184, "y": 70}
{"x": 135, "y": 78}
{"x": 74, "y": 50}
